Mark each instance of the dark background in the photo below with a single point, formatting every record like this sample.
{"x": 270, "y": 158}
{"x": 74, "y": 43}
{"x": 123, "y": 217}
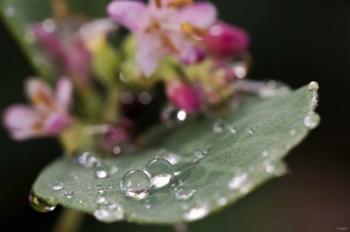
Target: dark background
{"x": 295, "y": 41}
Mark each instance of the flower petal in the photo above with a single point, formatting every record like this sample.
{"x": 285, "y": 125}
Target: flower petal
{"x": 126, "y": 13}
{"x": 149, "y": 53}
{"x": 40, "y": 93}
{"x": 19, "y": 120}
{"x": 64, "y": 91}
{"x": 56, "y": 122}
{"x": 201, "y": 14}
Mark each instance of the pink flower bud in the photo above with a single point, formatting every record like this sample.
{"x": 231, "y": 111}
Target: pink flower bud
{"x": 224, "y": 40}
{"x": 183, "y": 96}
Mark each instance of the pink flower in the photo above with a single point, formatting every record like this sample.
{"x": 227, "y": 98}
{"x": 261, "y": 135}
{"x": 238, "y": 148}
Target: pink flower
{"x": 225, "y": 41}
{"x": 183, "y": 96}
{"x": 69, "y": 45}
{"x": 164, "y": 27}
{"x": 47, "y": 116}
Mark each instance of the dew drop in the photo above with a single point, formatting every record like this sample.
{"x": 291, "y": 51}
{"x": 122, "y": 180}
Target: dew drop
{"x": 109, "y": 213}
{"x": 313, "y": 86}
{"x": 101, "y": 171}
{"x": 99, "y": 189}
{"x": 312, "y": 120}
{"x": 275, "y": 168}
{"x": 232, "y": 129}
{"x": 184, "y": 194}
{"x": 113, "y": 169}
{"x": 172, "y": 116}
{"x": 135, "y": 184}
{"x": 41, "y": 205}
{"x": 265, "y": 154}
{"x": 273, "y": 89}
{"x": 222, "y": 201}
{"x": 160, "y": 172}
{"x": 88, "y": 159}
{"x": 57, "y": 186}
{"x": 199, "y": 153}
{"x": 197, "y": 212}
{"x": 218, "y": 126}
{"x": 292, "y": 132}
{"x": 69, "y": 194}
{"x": 250, "y": 131}
{"x": 238, "y": 180}
{"x": 101, "y": 200}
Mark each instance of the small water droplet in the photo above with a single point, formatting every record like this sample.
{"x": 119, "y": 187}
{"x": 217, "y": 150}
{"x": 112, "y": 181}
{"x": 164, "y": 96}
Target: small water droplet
{"x": 101, "y": 171}
{"x": 109, "y": 213}
{"x": 113, "y": 169}
{"x": 218, "y": 126}
{"x": 222, "y": 201}
{"x": 160, "y": 172}
{"x": 199, "y": 154}
{"x": 265, "y": 154}
{"x": 274, "y": 88}
{"x": 251, "y": 131}
{"x": 100, "y": 189}
{"x": 238, "y": 180}
{"x": 275, "y": 168}
{"x": 232, "y": 129}
{"x": 312, "y": 120}
{"x": 57, "y": 186}
{"x": 41, "y": 205}
{"x": 172, "y": 116}
{"x": 101, "y": 200}
{"x": 197, "y": 212}
{"x": 69, "y": 194}
{"x": 292, "y": 132}
{"x": 148, "y": 204}
{"x": 313, "y": 86}
{"x": 88, "y": 159}
{"x": 135, "y": 184}
{"x": 117, "y": 150}
{"x": 184, "y": 193}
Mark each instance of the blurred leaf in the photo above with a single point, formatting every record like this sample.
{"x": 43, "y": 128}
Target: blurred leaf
{"x": 235, "y": 164}
{"x": 19, "y": 15}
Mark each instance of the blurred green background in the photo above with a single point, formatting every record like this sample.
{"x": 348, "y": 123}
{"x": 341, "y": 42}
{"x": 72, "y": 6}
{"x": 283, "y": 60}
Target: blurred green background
{"x": 295, "y": 41}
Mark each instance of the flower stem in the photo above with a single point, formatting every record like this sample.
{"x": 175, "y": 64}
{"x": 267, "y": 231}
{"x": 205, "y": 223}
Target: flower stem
{"x": 69, "y": 221}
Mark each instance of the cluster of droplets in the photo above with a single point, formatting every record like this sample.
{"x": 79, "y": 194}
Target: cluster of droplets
{"x": 108, "y": 211}
{"x": 157, "y": 174}
{"x": 312, "y": 119}
{"x": 219, "y": 126}
{"x": 273, "y": 89}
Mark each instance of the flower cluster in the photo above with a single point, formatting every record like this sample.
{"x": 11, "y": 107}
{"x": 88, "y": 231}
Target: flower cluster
{"x": 180, "y": 45}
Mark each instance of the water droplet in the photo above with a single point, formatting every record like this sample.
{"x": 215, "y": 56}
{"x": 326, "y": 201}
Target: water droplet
{"x": 312, "y": 120}
{"x": 313, "y": 86}
{"x": 148, "y": 204}
{"x": 100, "y": 189}
{"x": 251, "y": 131}
{"x": 232, "y": 129}
{"x": 273, "y": 89}
{"x": 160, "y": 172}
{"x": 88, "y": 159}
{"x": 218, "y": 126}
{"x": 113, "y": 169}
{"x": 41, "y": 205}
{"x": 275, "y": 168}
{"x": 183, "y": 193}
{"x": 238, "y": 180}
{"x": 57, "y": 186}
{"x": 222, "y": 201}
{"x": 117, "y": 150}
{"x": 196, "y": 212}
{"x": 265, "y": 154}
{"x": 109, "y": 213}
{"x": 172, "y": 116}
{"x": 69, "y": 194}
{"x": 135, "y": 184}
{"x": 172, "y": 158}
{"x": 199, "y": 154}
{"x": 101, "y": 171}
{"x": 292, "y": 132}
{"x": 101, "y": 200}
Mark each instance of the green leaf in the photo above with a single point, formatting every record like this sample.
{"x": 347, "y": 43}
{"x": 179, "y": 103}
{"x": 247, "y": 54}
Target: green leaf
{"x": 236, "y": 163}
{"x": 19, "y": 15}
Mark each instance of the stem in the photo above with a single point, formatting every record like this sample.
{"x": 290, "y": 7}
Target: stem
{"x": 181, "y": 228}
{"x": 69, "y": 221}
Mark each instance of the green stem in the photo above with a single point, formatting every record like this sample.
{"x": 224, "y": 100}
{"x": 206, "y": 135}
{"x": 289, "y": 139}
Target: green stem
{"x": 69, "y": 221}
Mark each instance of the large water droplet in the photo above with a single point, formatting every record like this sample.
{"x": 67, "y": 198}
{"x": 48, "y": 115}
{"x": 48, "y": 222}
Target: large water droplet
{"x": 135, "y": 184}
{"x": 312, "y": 120}
{"x": 109, "y": 213}
{"x": 313, "y": 86}
{"x": 197, "y": 212}
{"x": 41, "y": 205}
{"x": 160, "y": 172}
